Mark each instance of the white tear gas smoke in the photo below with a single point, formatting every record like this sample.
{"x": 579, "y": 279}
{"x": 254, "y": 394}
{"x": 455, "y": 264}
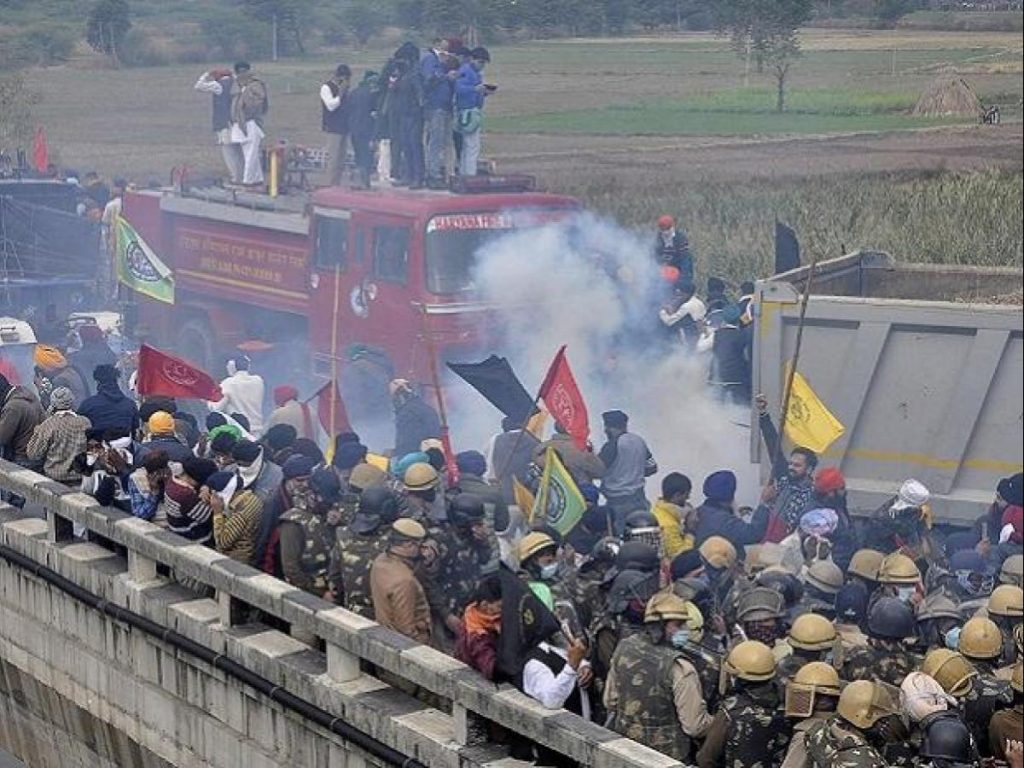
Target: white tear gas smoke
{"x": 593, "y": 286}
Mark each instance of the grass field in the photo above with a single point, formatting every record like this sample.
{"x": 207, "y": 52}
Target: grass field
{"x": 639, "y": 126}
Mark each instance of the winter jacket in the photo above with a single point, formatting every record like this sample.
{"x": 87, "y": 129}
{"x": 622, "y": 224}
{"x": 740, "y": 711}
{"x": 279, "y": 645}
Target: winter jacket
{"x": 466, "y": 94}
{"x": 19, "y": 416}
{"x": 437, "y": 88}
{"x": 584, "y": 466}
{"x": 714, "y": 519}
{"x": 363, "y": 103}
{"x": 479, "y": 650}
{"x": 415, "y": 421}
{"x": 399, "y": 602}
{"x": 175, "y": 449}
{"x": 110, "y": 408}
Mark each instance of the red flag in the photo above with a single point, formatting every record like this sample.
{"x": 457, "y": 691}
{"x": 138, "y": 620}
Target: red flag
{"x": 564, "y": 401}
{"x": 40, "y": 152}
{"x": 324, "y": 396}
{"x": 163, "y": 374}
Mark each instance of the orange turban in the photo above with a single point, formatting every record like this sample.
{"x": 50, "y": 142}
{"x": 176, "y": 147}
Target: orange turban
{"x": 49, "y": 358}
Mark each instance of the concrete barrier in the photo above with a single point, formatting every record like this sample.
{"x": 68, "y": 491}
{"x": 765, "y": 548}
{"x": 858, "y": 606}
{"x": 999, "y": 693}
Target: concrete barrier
{"x": 130, "y": 575}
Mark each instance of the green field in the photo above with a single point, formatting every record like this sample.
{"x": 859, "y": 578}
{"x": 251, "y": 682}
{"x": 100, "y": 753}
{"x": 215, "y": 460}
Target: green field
{"x": 736, "y": 112}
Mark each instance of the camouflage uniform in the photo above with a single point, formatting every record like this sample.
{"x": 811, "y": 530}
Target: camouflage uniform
{"x": 316, "y": 552}
{"x": 987, "y": 696}
{"x": 880, "y": 663}
{"x": 460, "y": 569}
{"x": 833, "y": 744}
{"x": 350, "y": 568}
{"x": 644, "y": 708}
{"x": 750, "y": 731}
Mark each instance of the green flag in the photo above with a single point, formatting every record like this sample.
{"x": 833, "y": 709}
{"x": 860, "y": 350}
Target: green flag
{"x": 138, "y": 267}
{"x": 558, "y": 502}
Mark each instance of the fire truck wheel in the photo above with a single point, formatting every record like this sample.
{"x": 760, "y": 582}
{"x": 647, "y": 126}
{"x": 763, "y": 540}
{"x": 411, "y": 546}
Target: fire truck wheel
{"x": 195, "y": 342}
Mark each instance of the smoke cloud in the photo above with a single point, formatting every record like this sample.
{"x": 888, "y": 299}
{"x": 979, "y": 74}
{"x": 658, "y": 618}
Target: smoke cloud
{"x": 593, "y": 286}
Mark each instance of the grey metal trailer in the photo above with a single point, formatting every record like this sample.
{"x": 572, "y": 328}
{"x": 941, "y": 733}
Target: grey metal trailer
{"x": 925, "y": 372}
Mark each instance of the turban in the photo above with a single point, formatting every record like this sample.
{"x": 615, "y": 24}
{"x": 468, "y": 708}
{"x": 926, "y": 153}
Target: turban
{"x": 49, "y": 358}
{"x": 819, "y": 522}
{"x": 161, "y": 423}
{"x": 285, "y": 393}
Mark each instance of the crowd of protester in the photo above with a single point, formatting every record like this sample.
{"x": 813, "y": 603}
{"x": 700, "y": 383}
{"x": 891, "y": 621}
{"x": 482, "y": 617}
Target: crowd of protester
{"x": 784, "y": 635}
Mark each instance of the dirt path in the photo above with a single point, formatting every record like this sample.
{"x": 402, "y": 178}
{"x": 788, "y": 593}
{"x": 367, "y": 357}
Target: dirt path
{"x": 960, "y": 148}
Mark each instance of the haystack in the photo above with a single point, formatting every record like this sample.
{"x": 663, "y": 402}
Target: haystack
{"x": 948, "y": 96}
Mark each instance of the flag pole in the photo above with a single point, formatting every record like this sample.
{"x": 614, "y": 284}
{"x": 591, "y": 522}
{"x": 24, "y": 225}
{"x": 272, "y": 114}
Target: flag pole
{"x": 791, "y": 374}
{"x": 334, "y": 350}
{"x": 441, "y": 410}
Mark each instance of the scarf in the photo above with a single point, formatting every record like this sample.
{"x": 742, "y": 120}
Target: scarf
{"x": 250, "y": 473}
{"x": 479, "y": 623}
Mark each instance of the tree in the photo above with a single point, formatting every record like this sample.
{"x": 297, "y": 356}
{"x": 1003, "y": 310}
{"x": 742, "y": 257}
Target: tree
{"x": 291, "y": 16}
{"x": 766, "y": 30}
{"x": 364, "y": 18}
{"x": 16, "y": 101}
{"x": 108, "y": 23}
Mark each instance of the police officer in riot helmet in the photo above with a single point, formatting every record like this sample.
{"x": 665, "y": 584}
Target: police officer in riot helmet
{"x": 642, "y": 526}
{"x": 653, "y": 694}
{"x": 890, "y": 626}
{"x": 466, "y": 551}
{"x": 867, "y": 718}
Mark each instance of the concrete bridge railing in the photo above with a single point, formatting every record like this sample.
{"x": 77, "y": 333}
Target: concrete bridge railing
{"x": 140, "y": 567}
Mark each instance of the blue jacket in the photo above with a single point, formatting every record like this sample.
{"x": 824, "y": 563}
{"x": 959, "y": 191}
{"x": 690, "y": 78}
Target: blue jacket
{"x": 437, "y": 88}
{"x": 466, "y": 96}
{"x": 110, "y": 408}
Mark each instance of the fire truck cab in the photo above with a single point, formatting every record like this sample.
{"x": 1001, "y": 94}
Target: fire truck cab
{"x": 345, "y": 275}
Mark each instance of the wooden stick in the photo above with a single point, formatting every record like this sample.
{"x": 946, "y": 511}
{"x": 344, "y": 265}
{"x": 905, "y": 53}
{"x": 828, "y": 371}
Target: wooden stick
{"x": 796, "y": 358}
{"x": 334, "y": 349}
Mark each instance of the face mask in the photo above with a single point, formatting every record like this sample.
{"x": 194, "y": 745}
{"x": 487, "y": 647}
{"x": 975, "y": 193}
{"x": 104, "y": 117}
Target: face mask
{"x": 549, "y": 571}
{"x": 905, "y": 593}
{"x": 680, "y": 638}
{"x": 953, "y": 639}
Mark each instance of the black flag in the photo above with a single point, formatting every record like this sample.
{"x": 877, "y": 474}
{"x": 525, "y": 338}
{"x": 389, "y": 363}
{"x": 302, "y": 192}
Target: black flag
{"x": 495, "y": 380}
{"x": 787, "y": 248}
{"x": 525, "y": 622}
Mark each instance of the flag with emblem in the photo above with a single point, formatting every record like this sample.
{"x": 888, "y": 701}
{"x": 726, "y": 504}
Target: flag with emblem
{"x": 138, "y": 266}
{"x": 161, "y": 373}
{"x": 808, "y": 422}
{"x": 558, "y": 502}
{"x": 564, "y": 401}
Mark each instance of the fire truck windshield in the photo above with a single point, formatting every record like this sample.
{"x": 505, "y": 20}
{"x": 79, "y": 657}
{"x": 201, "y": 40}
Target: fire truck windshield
{"x": 454, "y": 240}
{"x": 452, "y": 243}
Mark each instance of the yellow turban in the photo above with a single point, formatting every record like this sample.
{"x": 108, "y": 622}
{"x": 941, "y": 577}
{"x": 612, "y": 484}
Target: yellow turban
{"x": 49, "y": 358}
{"x": 161, "y": 423}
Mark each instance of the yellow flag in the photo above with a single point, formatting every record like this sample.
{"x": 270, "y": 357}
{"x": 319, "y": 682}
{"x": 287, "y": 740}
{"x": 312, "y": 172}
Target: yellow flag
{"x": 523, "y": 497}
{"x": 809, "y": 423}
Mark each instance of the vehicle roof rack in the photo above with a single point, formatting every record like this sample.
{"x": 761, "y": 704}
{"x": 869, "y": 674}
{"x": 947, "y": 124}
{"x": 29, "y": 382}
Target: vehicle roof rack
{"x": 506, "y": 182}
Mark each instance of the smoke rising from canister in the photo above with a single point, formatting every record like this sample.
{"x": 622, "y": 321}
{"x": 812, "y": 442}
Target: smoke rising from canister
{"x": 594, "y": 287}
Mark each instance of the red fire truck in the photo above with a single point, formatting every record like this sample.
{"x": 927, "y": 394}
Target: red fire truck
{"x": 344, "y": 275}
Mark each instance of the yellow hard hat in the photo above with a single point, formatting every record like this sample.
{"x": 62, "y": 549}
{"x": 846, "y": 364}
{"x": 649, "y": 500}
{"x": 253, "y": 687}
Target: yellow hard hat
{"x": 950, "y": 670}
{"x": 826, "y": 576}
{"x": 865, "y": 563}
{"x": 865, "y": 702}
{"x": 1006, "y": 600}
{"x": 897, "y": 568}
{"x": 812, "y": 632}
{"x": 1012, "y": 571}
{"x": 420, "y": 477}
{"x": 981, "y": 639}
{"x": 718, "y": 552}
{"x": 751, "y": 660}
{"x": 365, "y": 476}
{"x": 812, "y": 680}
{"x": 666, "y": 606}
{"x": 533, "y": 543}
{"x": 407, "y": 528}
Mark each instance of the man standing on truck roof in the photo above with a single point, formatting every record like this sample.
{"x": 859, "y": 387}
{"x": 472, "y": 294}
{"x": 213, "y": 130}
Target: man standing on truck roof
{"x": 334, "y": 121}
{"x": 470, "y": 92}
{"x": 243, "y": 393}
{"x": 438, "y": 78}
{"x": 248, "y": 109}
{"x": 218, "y": 83}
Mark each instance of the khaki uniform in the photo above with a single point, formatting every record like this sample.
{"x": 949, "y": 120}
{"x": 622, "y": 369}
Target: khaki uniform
{"x": 1008, "y": 724}
{"x": 834, "y": 744}
{"x": 399, "y": 602}
{"x": 653, "y": 695}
